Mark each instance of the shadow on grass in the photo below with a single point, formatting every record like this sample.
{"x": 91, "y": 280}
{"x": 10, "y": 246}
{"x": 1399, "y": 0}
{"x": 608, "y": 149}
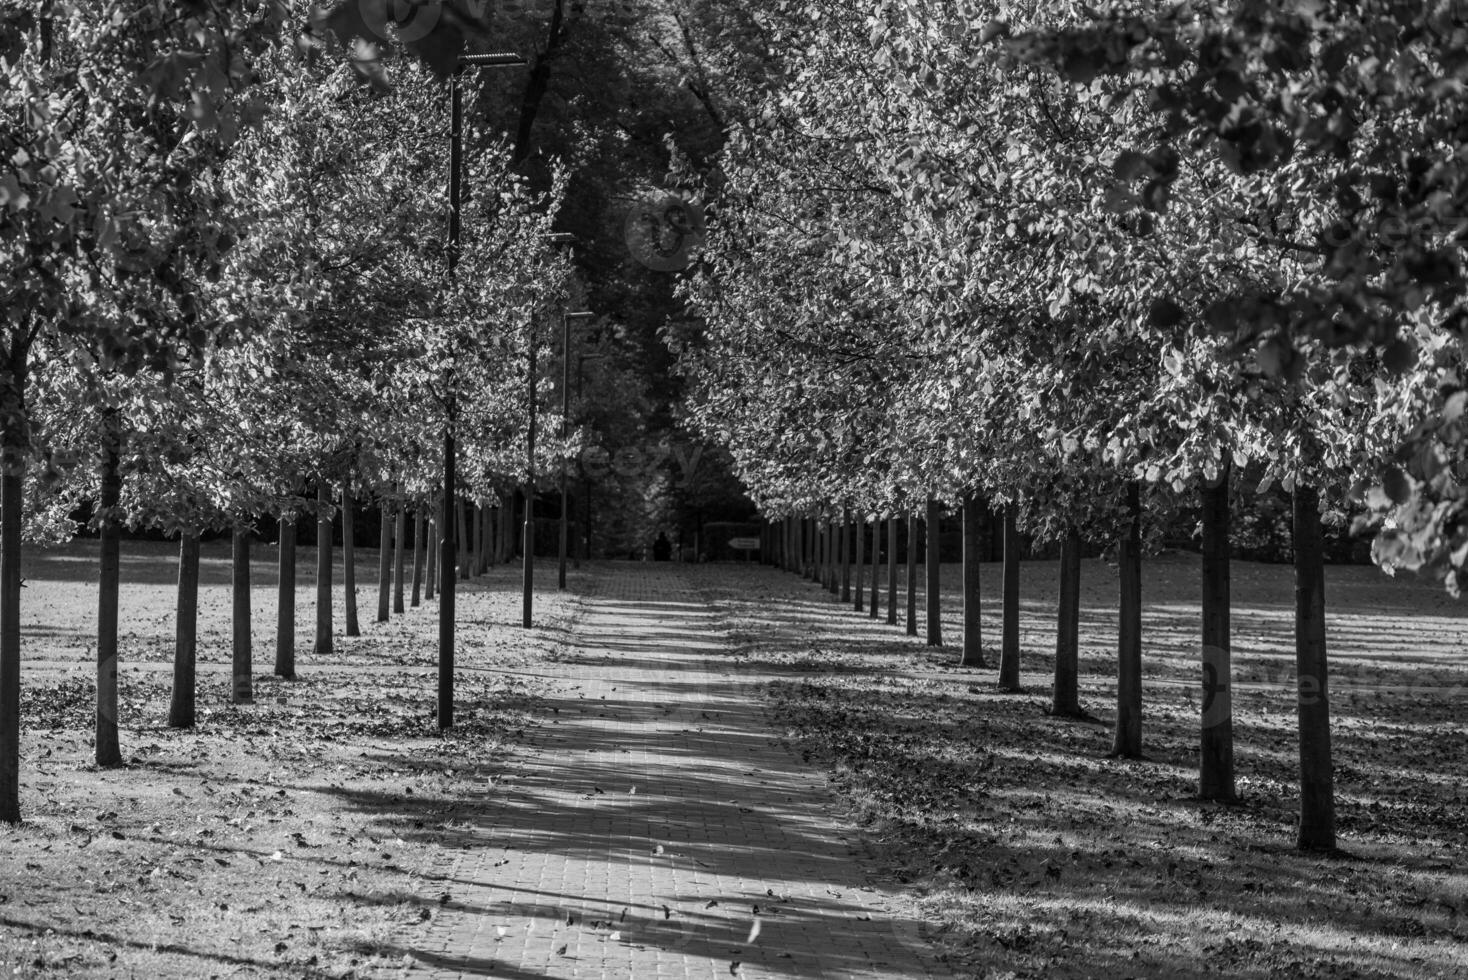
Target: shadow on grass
{"x": 112, "y": 939}
{"x": 1048, "y": 857}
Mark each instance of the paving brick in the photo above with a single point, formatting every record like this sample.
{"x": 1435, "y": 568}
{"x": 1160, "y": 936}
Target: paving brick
{"x": 657, "y": 828}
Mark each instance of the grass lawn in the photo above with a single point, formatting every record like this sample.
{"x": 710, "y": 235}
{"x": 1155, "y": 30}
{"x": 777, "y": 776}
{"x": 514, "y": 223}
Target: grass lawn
{"x": 1036, "y": 855}
{"x": 270, "y": 840}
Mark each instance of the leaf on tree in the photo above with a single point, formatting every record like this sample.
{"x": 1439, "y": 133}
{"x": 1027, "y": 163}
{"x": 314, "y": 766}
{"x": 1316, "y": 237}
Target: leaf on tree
{"x": 1164, "y": 313}
{"x": 1400, "y": 356}
{"x": 1396, "y": 484}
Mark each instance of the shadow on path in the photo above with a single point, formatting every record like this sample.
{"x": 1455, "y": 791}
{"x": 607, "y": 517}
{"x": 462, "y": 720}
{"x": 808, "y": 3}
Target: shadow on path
{"x": 657, "y": 827}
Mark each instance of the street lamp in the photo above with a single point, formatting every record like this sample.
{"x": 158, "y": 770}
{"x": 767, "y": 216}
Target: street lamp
{"x": 566, "y": 319}
{"x": 446, "y": 562}
{"x": 527, "y": 544}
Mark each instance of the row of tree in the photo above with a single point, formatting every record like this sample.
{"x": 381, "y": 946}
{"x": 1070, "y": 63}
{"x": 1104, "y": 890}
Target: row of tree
{"x": 226, "y": 292}
{"x": 1089, "y": 269}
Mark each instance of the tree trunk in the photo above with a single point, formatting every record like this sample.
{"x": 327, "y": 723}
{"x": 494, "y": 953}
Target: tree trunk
{"x": 807, "y": 548}
{"x": 476, "y": 548}
{"x": 384, "y": 562}
{"x": 819, "y": 546}
{"x": 844, "y": 556}
{"x": 12, "y": 468}
{"x": 1128, "y": 740}
{"x": 430, "y": 555}
{"x": 108, "y": 750}
{"x": 242, "y": 691}
{"x": 492, "y": 534}
{"x": 497, "y": 535}
{"x": 797, "y": 540}
{"x": 912, "y": 550}
{"x": 285, "y": 606}
{"x": 892, "y": 570}
{"x": 807, "y": 567}
{"x": 486, "y": 538}
{"x": 823, "y": 567}
{"x": 876, "y": 565}
{"x": 14, "y": 442}
{"x": 973, "y": 647}
{"x": 418, "y": 532}
{"x": 185, "y": 633}
{"x": 833, "y": 557}
{"x": 1068, "y": 630}
{"x": 932, "y": 587}
{"x": 793, "y": 550}
{"x": 400, "y": 556}
{"x": 812, "y": 547}
{"x": 833, "y": 575}
{"x": 461, "y": 523}
{"x": 1009, "y": 600}
{"x": 1216, "y": 745}
{"x": 349, "y": 558}
{"x": 447, "y": 512}
{"x": 1317, "y": 778}
{"x": 859, "y": 530}
{"x": 323, "y": 569}
{"x": 527, "y": 568}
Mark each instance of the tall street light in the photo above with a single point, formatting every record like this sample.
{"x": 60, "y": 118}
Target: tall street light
{"x": 447, "y": 556}
{"x": 527, "y": 536}
{"x": 566, "y": 319}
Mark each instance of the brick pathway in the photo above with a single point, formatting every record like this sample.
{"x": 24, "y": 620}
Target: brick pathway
{"x": 657, "y": 829}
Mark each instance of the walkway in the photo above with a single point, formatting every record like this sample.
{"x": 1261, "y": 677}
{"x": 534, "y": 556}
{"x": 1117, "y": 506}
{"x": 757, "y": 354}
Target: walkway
{"x": 658, "y": 829}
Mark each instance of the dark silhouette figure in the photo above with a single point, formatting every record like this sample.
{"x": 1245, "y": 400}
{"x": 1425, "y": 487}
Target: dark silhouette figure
{"x": 662, "y": 548}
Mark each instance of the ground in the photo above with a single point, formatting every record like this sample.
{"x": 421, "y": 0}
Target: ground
{"x": 271, "y": 840}
{"x": 1037, "y": 855}
{"x": 903, "y": 817}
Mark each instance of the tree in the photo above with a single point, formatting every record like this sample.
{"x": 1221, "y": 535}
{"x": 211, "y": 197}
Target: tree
{"x": 102, "y": 258}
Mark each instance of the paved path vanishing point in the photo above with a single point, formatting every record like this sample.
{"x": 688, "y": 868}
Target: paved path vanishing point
{"x": 658, "y": 829}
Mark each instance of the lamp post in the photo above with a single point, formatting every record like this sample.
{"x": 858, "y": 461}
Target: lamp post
{"x": 528, "y": 536}
{"x": 451, "y": 404}
{"x": 566, "y": 319}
